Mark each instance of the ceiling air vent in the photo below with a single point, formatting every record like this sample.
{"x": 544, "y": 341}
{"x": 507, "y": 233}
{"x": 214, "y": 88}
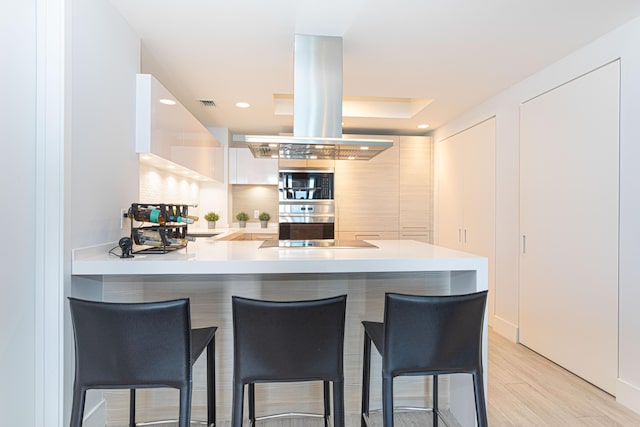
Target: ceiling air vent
{"x": 209, "y": 103}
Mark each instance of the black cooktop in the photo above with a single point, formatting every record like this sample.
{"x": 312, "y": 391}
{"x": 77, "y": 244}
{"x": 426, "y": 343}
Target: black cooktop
{"x": 320, "y": 243}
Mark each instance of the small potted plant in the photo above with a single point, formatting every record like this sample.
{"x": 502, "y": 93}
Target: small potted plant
{"x": 242, "y": 218}
{"x": 264, "y": 219}
{"x": 211, "y": 218}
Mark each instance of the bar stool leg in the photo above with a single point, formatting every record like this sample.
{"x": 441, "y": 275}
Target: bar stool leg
{"x": 211, "y": 383}
{"x": 327, "y": 398}
{"x": 387, "y": 401}
{"x": 77, "y": 411}
{"x": 435, "y": 401}
{"x": 338, "y": 403}
{"x": 185, "y": 407}
{"x": 366, "y": 378}
{"x": 252, "y": 403}
{"x": 132, "y": 407}
{"x": 481, "y": 405}
{"x": 238, "y": 402}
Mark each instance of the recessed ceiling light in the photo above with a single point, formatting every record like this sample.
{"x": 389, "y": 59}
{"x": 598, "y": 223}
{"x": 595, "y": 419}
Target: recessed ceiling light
{"x": 243, "y": 105}
{"x": 166, "y": 101}
{"x": 423, "y": 126}
{"x": 364, "y": 147}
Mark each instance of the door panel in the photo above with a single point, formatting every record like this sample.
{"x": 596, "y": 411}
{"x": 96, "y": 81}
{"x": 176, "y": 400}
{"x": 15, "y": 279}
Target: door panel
{"x": 450, "y": 200}
{"x": 569, "y": 217}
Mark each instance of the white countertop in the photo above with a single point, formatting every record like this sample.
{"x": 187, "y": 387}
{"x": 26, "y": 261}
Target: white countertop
{"x": 210, "y": 256}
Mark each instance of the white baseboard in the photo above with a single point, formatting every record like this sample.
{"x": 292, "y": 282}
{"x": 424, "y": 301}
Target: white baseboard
{"x": 97, "y": 416}
{"x": 628, "y": 395}
{"x": 506, "y": 329}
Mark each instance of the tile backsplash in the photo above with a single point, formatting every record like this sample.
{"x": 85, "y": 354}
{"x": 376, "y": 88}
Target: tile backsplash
{"x": 249, "y": 198}
{"x": 158, "y": 186}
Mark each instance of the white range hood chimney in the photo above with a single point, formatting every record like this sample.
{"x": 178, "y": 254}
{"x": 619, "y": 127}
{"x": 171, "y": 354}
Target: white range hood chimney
{"x": 317, "y": 109}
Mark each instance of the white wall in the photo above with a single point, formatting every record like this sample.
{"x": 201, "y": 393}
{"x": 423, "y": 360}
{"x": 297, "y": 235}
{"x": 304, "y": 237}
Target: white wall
{"x": 105, "y": 58}
{"x": 160, "y": 186}
{"x": 621, "y": 43}
{"x": 102, "y": 174}
{"x": 18, "y": 286}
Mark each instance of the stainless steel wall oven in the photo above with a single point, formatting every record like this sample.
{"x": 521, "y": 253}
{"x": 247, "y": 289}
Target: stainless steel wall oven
{"x": 306, "y": 206}
{"x": 306, "y": 184}
{"x": 306, "y": 220}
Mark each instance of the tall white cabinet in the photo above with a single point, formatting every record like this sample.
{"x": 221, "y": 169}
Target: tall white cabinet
{"x": 466, "y": 194}
{"x": 389, "y": 196}
{"x": 416, "y": 188}
{"x": 569, "y": 167}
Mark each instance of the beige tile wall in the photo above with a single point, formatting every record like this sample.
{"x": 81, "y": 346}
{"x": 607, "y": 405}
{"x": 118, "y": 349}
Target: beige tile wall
{"x": 248, "y": 198}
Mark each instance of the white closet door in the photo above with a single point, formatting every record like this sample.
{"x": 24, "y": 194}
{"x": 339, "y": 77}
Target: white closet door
{"x": 569, "y": 217}
{"x": 450, "y": 187}
{"x": 479, "y": 189}
{"x": 479, "y": 232}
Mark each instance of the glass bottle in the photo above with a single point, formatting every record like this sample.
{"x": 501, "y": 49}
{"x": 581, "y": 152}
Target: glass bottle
{"x": 149, "y": 215}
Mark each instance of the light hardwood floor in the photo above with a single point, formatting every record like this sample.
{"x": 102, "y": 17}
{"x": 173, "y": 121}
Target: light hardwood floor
{"x": 525, "y": 389}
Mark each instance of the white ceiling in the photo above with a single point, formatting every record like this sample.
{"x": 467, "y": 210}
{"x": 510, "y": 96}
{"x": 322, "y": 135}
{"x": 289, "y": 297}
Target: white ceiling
{"x": 458, "y": 52}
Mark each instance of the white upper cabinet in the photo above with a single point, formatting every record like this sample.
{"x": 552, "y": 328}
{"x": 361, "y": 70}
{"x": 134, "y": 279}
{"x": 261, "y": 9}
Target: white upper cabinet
{"x": 246, "y": 169}
{"x": 165, "y": 128}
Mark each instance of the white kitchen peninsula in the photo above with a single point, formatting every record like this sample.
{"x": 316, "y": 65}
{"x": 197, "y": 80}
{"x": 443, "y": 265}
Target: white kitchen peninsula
{"x": 210, "y": 271}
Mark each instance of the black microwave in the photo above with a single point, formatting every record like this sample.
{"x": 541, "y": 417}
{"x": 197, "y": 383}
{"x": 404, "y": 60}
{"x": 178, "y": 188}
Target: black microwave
{"x": 305, "y": 184}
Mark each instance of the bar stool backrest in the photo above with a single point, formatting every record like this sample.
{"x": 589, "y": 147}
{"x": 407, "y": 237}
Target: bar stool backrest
{"x": 288, "y": 340}
{"x": 139, "y": 345}
{"x": 440, "y": 334}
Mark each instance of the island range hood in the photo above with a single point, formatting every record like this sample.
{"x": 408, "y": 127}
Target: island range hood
{"x": 317, "y": 110}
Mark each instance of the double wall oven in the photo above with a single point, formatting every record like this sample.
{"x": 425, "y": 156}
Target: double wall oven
{"x": 306, "y": 205}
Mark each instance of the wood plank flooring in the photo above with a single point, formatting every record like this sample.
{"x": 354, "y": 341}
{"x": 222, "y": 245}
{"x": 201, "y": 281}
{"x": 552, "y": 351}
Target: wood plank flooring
{"x": 525, "y": 389}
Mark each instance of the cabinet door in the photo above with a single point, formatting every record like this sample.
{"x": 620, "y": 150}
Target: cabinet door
{"x": 419, "y": 235}
{"x": 367, "y": 235}
{"x": 450, "y": 192}
{"x": 416, "y": 195}
{"x": 249, "y": 170}
{"x": 478, "y": 188}
{"x": 233, "y": 166}
{"x": 466, "y": 195}
{"x": 569, "y": 222}
{"x": 367, "y": 192}
{"x": 466, "y": 190}
{"x": 264, "y": 236}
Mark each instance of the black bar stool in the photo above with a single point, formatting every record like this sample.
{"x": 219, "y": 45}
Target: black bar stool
{"x": 426, "y": 335}
{"x": 288, "y": 342}
{"x": 139, "y": 345}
